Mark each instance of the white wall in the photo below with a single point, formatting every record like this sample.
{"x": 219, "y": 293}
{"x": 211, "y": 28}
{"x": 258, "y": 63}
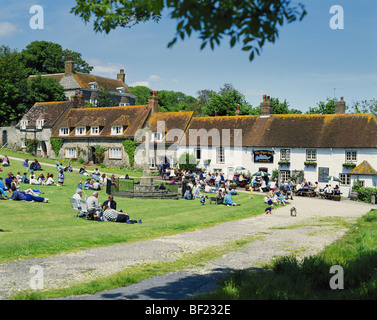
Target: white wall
{"x": 332, "y": 158}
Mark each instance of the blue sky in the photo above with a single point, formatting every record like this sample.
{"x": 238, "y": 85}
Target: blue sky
{"x": 304, "y": 66}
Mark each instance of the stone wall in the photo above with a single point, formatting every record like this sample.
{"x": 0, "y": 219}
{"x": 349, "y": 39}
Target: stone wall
{"x": 85, "y": 150}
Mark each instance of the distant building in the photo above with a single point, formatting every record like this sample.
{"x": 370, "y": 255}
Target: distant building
{"x": 90, "y": 85}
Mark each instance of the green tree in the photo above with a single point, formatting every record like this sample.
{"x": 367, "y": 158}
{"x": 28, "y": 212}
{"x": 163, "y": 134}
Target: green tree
{"x": 42, "y": 89}
{"x": 12, "y": 75}
{"x": 142, "y": 94}
{"x": 327, "y": 107}
{"x": 225, "y": 103}
{"x": 43, "y": 57}
{"x": 279, "y": 107}
{"x": 172, "y": 101}
{"x": 365, "y": 106}
{"x": 249, "y": 23}
{"x": 105, "y": 98}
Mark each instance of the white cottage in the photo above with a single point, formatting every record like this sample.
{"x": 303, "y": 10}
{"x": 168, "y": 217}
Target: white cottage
{"x": 310, "y": 146}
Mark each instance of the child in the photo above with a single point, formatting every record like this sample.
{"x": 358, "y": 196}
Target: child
{"x": 202, "y": 200}
{"x": 293, "y": 211}
{"x": 268, "y": 210}
{"x": 251, "y": 193}
{"x": 282, "y": 199}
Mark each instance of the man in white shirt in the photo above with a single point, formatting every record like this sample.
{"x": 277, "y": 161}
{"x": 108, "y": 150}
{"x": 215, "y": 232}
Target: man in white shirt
{"x": 93, "y": 203}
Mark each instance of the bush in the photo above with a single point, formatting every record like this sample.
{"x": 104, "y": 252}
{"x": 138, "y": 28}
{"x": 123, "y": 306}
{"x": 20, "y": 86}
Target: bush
{"x": 364, "y": 194}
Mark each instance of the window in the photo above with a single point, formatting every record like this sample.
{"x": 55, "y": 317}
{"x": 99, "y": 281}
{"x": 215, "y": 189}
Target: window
{"x": 220, "y": 155}
{"x": 311, "y": 154}
{"x": 23, "y": 124}
{"x": 117, "y": 130}
{"x": 93, "y": 85}
{"x": 345, "y": 178}
{"x": 120, "y": 89}
{"x": 64, "y": 131}
{"x": 94, "y": 131}
{"x": 81, "y": 131}
{"x": 70, "y": 153}
{"x": 115, "y": 153}
{"x": 198, "y": 153}
{"x": 124, "y": 104}
{"x": 285, "y": 154}
{"x": 285, "y": 175}
{"x": 157, "y": 136}
{"x": 351, "y": 156}
{"x": 94, "y": 101}
{"x": 40, "y": 123}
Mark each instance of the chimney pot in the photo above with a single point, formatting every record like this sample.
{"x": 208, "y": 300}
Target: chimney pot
{"x": 68, "y": 65}
{"x": 121, "y": 76}
{"x": 153, "y": 102}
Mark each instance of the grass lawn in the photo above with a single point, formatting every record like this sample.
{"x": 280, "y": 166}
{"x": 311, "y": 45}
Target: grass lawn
{"x": 37, "y": 229}
{"x": 309, "y": 279}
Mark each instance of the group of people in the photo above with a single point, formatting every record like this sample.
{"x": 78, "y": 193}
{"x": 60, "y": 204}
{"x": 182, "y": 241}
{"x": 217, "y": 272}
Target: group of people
{"x": 105, "y": 212}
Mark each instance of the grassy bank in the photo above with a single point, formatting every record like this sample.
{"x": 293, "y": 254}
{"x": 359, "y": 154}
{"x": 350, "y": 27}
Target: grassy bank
{"x": 291, "y": 279}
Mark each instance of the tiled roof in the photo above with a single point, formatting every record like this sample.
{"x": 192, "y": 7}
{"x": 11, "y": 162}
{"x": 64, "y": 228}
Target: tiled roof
{"x": 84, "y": 79}
{"x": 293, "y": 131}
{"x": 364, "y": 169}
{"x": 175, "y": 124}
{"x": 48, "y": 111}
{"x": 111, "y": 84}
{"x": 132, "y": 117}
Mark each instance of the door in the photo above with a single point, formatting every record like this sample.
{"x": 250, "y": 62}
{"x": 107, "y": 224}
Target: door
{"x": 5, "y": 137}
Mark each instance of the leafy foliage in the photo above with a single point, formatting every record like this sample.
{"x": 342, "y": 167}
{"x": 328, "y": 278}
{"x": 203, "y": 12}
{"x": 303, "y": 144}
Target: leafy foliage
{"x": 248, "y": 22}
{"x": 56, "y": 145}
{"x": 130, "y": 147}
{"x": 43, "y": 57}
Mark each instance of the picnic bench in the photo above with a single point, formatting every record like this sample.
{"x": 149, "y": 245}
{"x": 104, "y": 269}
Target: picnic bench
{"x": 305, "y": 193}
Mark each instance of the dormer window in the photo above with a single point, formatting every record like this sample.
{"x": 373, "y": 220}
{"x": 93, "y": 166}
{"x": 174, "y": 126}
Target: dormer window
{"x": 40, "y": 123}
{"x": 117, "y": 130}
{"x": 64, "y": 132}
{"x": 80, "y": 131}
{"x": 93, "y": 85}
{"x": 24, "y": 124}
{"x": 120, "y": 89}
{"x": 157, "y": 136}
{"x": 94, "y": 131}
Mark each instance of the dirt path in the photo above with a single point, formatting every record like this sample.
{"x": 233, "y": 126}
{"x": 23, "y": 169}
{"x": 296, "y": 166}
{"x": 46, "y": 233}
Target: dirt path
{"x": 273, "y": 239}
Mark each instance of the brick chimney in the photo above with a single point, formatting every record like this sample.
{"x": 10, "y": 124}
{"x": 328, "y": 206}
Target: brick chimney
{"x": 238, "y": 112}
{"x": 78, "y": 99}
{"x": 121, "y": 76}
{"x": 266, "y": 107}
{"x": 68, "y": 65}
{"x": 153, "y": 102}
{"x": 340, "y": 106}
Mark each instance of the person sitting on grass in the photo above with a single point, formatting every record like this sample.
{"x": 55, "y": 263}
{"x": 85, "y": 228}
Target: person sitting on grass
{"x": 228, "y": 201}
{"x": 25, "y": 164}
{"x": 50, "y": 181}
{"x": 268, "y": 210}
{"x": 118, "y": 216}
{"x": 3, "y": 188}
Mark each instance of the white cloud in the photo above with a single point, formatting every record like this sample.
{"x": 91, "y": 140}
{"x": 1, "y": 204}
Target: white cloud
{"x": 140, "y": 83}
{"x": 109, "y": 69}
{"x": 8, "y": 29}
{"x": 154, "y": 78}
